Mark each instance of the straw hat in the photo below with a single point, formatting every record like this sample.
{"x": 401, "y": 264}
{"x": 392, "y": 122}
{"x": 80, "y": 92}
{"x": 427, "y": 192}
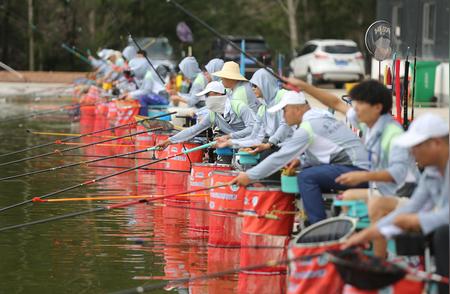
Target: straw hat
{"x": 230, "y": 70}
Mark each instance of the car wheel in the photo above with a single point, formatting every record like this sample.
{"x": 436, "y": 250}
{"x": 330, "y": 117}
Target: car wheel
{"x": 310, "y": 78}
{"x": 339, "y": 85}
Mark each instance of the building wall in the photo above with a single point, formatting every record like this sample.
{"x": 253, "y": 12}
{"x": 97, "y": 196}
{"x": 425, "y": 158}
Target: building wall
{"x": 411, "y": 21}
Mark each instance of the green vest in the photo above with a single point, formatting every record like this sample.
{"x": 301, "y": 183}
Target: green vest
{"x": 278, "y": 96}
{"x": 391, "y": 131}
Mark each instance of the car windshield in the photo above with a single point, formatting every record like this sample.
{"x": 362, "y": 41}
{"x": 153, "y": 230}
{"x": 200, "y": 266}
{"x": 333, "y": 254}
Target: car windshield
{"x": 156, "y": 48}
{"x": 340, "y": 49}
{"x": 250, "y": 45}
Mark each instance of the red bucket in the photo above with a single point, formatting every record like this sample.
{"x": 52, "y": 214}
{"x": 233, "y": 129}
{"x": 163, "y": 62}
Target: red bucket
{"x": 263, "y": 200}
{"x": 313, "y": 272}
{"x": 225, "y": 228}
{"x": 200, "y": 178}
{"x": 273, "y": 234}
{"x": 183, "y": 161}
{"x": 87, "y": 114}
{"x": 144, "y": 140}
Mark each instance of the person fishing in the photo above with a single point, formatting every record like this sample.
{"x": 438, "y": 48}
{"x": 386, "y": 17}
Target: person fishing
{"x": 231, "y": 117}
{"x": 392, "y": 168}
{"x": 270, "y": 127}
{"x": 150, "y": 89}
{"x": 321, "y": 146}
{"x": 190, "y": 69}
{"x": 427, "y": 211}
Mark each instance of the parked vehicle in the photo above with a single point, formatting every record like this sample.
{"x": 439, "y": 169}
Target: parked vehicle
{"x": 335, "y": 61}
{"x": 255, "y": 46}
{"x": 158, "y": 50}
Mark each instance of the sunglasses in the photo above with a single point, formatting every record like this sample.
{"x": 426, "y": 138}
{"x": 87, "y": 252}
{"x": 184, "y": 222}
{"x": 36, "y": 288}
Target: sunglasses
{"x": 347, "y": 99}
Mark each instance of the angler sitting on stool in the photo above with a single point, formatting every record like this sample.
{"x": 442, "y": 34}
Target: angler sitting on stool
{"x": 329, "y": 147}
{"x": 231, "y": 117}
{"x": 427, "y": 211}
{"x": 270, "y": 127}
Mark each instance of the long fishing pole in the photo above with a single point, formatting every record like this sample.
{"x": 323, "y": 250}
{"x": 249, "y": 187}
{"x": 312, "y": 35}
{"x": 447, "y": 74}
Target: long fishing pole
{"x": 86, "y": 134}
{"x": 105, "y": 208}
{"x": 405, "y": 92}
{"x": 184, "y": 152}
{"x": 100, "y": 158}
{"x": 63, "y": 134}
{"x": 81, "y": 57}
{"x": 227, "y": 212}
{"x": 103, "y": 198}
{"x": 38, "y": 113}
{"x": 172, "y": 282}
{"x": 414, "y": 67}
{"x": 85, "y": 162}
{"x": 13, "y": 71}
{"x": 146, "y": 57}
{"x": 59, "y": 151}
{"x": 144, "y": 168}
{"x": 219, "y": 35}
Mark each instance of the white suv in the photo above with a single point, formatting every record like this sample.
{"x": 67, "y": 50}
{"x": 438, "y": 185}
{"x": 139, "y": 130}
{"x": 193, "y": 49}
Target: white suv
{"x": 335, "y": 61}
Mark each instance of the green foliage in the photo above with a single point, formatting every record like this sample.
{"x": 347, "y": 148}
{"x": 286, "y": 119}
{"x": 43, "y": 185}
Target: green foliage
{"x": 94, "y": 24}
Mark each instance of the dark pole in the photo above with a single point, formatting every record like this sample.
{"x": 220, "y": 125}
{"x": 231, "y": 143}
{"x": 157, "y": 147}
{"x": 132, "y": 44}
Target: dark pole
{"x": 212, "y": 30}
{"x": 146, "y": 57}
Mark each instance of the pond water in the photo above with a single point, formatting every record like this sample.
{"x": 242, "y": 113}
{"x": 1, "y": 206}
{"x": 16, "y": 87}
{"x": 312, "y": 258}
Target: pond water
{"x": 105, "y": 251}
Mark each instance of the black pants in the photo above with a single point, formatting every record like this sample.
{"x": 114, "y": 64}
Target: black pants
{"x": 441, "y": 248}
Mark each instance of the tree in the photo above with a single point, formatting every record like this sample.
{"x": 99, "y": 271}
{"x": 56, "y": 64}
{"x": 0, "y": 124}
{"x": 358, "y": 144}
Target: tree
{"x": 290, "y": 8}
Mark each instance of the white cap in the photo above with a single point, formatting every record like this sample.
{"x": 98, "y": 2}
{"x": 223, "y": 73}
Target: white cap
{"x": 289, "y": 98}
{"x": 425, "y": 127}
{"x": 212, "y": 87}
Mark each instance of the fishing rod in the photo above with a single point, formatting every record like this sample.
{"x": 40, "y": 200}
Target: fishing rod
{"x": 180, "y": 281}
{"x": 102, "y": 198}
{"x": 62, "y": 135}
{"x": 146, "y": 57}
{"x": 184, "y": 152}
{"x": 86, "y": 134}
{"x": 155, "y": 245}
{"x": 144, "y": 168}
{"x": 38, "y": 113}
{"x": 414, "y": 66}
{"x": 13, "y": 71}
{"x": 104, "y": 145}
{"x": 99, "y": 156}
{"x": 59, "y": 151}
{"x": 85, "y": 162}
{"x": 235, "y": 213}
{"x": 329, "y": 255}
{"x": 220, "y": 36}
{"x": 405, "y": 92}
{"x": 232, "y": 213}
{"x": 104, "y": 208}
{"x": 81, "y": 57}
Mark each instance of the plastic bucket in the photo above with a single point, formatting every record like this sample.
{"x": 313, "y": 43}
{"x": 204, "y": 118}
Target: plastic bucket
{"x": 155, "y": 112}
{"x": 183, "y": 161}
{"x": 263, "y": 200}
{"x": 246, "y": 158}
{"x": 313, "y": 272}
{"x": 289, "y": 184}
{"x": 225, "y": 228}
{"x": 224, "y": 151}
{"x": 257, "y": 231}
